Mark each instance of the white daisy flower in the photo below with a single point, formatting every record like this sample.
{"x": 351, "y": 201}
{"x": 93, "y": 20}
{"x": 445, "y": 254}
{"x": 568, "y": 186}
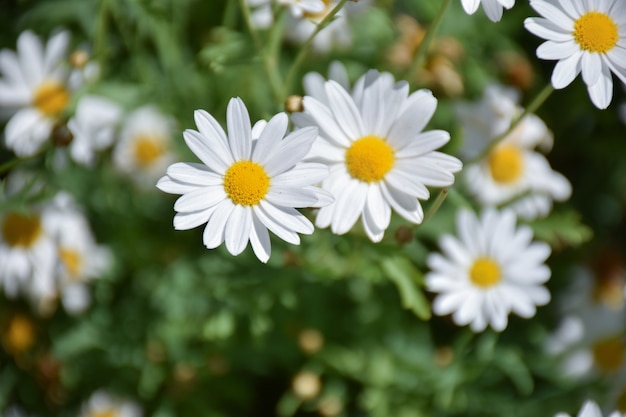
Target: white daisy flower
{"x": 261, "y": 13}
{"x": 80, "y": 259}
{"x": 246, "y": 187}
{"x": 143, "y": 151}
{"x": 493, "y": 8}
{"x": 302, "y": 8}
{"x": 34, "y": 89}
{"x": 313, "y": 82}
{"x": 379, "y": 158}
{"x": 93, "y": 127}
{"x": 590, "y": 409}
{"x": 585, "y": 36}
{"x": 513, "y": 172}
{"x": 102, "y": 403}
{"x": 489, "y": 271}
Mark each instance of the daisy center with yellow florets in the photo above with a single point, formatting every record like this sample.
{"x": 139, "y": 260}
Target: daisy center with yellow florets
{"x": 596, "y": 32}
{"x": 485, "y": 272}
{"x": 147, "y": 149}
{"x": 21, "y": 231}
{"x": 246, "y": 183}
{"x": 72, "y": 261}
{"x": 506, "y": 164}
{"x": 369, "y": 159}
{"x": 608, "y": 354}
{"x": 51, "y": 98}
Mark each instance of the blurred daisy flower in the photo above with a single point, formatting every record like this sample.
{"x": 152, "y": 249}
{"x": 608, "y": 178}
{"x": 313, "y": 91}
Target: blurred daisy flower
{"x": 34, "y": 89}
{"x": 80, "y": 259}
{"x": 93, "y": 128}
{"x": 143, "y": 151}
{"x": 301, "y": 8}
{"x": 585, "y": 36}
{"x": 493, "y": 8}
{"x": 512, "y": 173}
{"x": 489, "y": 271}
{"x": 590, "y": 409}
{"x": 378, "y": 156}
{"x": 250, "y": 181}
{"x": 102, "y": 404}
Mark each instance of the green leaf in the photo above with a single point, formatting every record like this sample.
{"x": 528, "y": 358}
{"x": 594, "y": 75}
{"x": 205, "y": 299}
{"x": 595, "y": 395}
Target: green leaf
{"x": 562, "y": 229}
{"x": 406, "y": 277}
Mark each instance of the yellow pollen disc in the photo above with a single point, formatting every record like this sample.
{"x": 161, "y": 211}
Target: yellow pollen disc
{"x": 485, "y": 273}
{"x": 596, "y": 32}
{"x": 21, "y": 231}
{"x": 147, "y": 149}
{"x": 71, "y": 260}
{"x": 51, "y": 97}
{"x": 608, "y": 354}
{"x": 506, "y": 164}
{"x": 369, "y": 159}
{"x": 107, "y": 412}
{"x": 20, "y": 334}
{"x": 246, "y": 183}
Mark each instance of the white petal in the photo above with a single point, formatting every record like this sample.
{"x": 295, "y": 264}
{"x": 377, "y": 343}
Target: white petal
{"x": 211, "y": 157}
{"x": 557, "y": 50}
{"x": 292, "y": 150}
{"x": 591, "y": 67}
{"x": 270, "y": 138}
{"x": 200, "y": 199}
{"x": 344, "y": 109}
{"x": 211, "y": 129}
{"x": 301, "y": 175}
{"x": 213, "y": 234}
{"x": 601, "y": 92}
{"x": 349, "y": 206}
{"x": 566, "y": 70}
{"x": 193, "y": 173}
{"x": 239, "y": 129}
{"x": 260, "y": 240}
{"x": 413, "y": 119}
{"x": 186, "y": 221}
{"x": 237, "y": 232}
{"x": 291, "y": 197}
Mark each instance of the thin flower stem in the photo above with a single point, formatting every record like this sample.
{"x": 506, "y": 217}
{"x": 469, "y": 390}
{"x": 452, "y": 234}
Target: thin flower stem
{"x": 18, "y": 161}
{"x": 229, "y": 18}
{"x": 270, "y": 63}
{"x": 434, "y": 207}
{"x": 306, "y": 46}
{"x": 100, "y": 43}
{"x": 532, "y": 108}
{"x": 422, "y": 51}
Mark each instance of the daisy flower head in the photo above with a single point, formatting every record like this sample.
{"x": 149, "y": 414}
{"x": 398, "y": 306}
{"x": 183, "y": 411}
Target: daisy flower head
{"x": 378, "y": 156}
{"x": 251, "y": 181}
{"x": 493, "y": 8}
{"x": 143, "y": 151}
{"x": 585, "y": 36}
{"x": 590, "y": 409}
{"x": 101, "y": 403}
{"x": 513, "y": 171}
{"x": 300, "y": 8}
{"x": 93, "y": 128}
{"x": 490, "y": 270}
{"x": 34, "y": 90}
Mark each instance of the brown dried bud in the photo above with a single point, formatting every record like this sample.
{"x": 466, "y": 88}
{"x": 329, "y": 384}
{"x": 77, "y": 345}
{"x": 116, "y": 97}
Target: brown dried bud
{"x": 403, "y": 235}
{"x": 293, "y": 104}
{"x": 310, "y": 341}
{"x": 79, "y": 58}
{"x": 61, "y": 136}
{"x": 306, "y": 385}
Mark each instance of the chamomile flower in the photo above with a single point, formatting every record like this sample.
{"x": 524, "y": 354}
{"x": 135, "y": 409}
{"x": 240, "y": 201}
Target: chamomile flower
{"x": 493, "y": 8}
{"x": 378, "y": 156}
{"x": 512, "y": 172}
{"x": 490, "y": 270}
{"x": 585, "y": 36}
{"x": 301, "y": 8}
{"x": 34, "y": 89}
{"x": 102, "y": 403}
{"x": 93, "y": 127}
{"x": 246, "y": 187}
{"x": 143, "y": 151}
{"x": 79, "y": 258}
{"x": 590, "y": 409}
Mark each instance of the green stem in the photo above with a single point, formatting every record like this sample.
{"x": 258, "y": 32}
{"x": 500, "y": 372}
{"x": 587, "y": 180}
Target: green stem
{"x": 269, "y": 63}
{"x": 530, "y": 109}
{"x": 100, "y": 43}
{"x": 434, "y": 207}
{"x": 18, "y": 161}
{"x": 306, "y": 46}
{"x": 422, "y": 51}
{"x": 229, "y": 18}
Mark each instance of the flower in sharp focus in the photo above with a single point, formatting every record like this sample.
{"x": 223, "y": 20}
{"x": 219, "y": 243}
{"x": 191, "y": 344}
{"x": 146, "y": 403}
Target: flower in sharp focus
{"x": 252, "y": 180}
{"x": 102, "y": 404}
{"x": 493, "y": 8}
{"x": 93, "y": 128}
{"x": 379, "y": 158}
{"x": 490, "y": 270}
{"x": 34, "y": 89}
{"x": 143, "y": 151}
{"x": 590, "y": 409}
{"x": 585, "y": 36}
{"x": 512, "y": 173}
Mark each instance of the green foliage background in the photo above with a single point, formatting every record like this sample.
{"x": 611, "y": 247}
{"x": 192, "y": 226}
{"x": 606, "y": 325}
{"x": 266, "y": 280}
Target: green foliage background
{"x": 189, "y": 332}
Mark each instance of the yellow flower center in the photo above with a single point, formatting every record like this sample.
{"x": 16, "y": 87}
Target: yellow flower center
{"x": 20, "y": 230}
{"x": 369, "y": 158}
{"x": 51, "y": 97}
{"x": 147, "y": 149}
{"x": 71, "y": 260}
{"x": 485, "y": 273}
{"x": 608, "y": 354}
{"x": 596, "y": 32}
{"x": 20, "y": 334}
{"x": 246, "y": 183}
{"x": 506, "y": 164}
{"x": 107, "y": 412}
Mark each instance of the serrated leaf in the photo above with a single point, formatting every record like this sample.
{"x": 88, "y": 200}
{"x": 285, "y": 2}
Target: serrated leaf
{"x": 405, "y": 276}
{"x": 562, "y": 229}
